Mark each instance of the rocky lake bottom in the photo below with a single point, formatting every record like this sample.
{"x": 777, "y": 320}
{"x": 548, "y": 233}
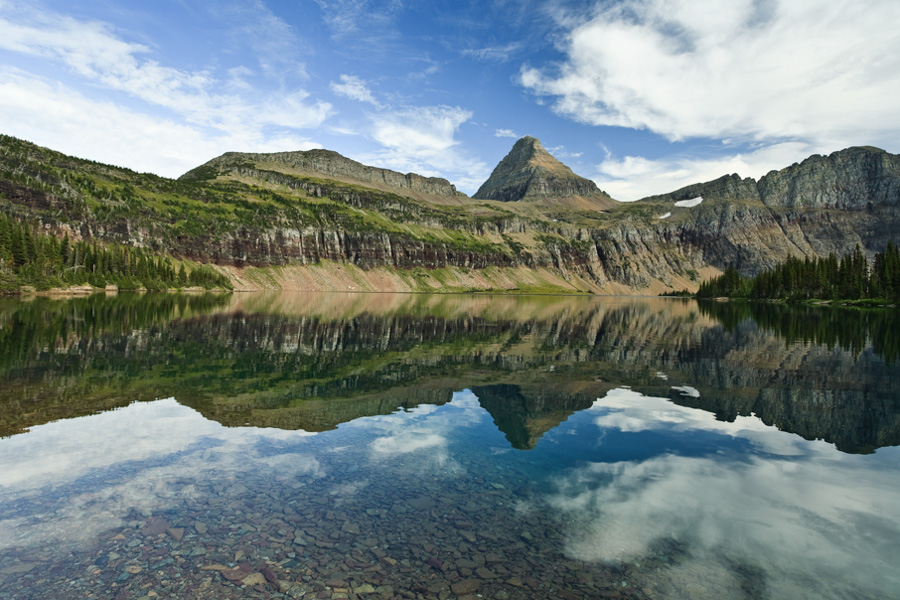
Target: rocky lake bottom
{"x": 554, "y": 477}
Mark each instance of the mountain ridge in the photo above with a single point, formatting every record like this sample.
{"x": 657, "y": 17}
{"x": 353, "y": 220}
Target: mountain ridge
{"x": 331, "y": 164}
{"x": 322, "y": 232}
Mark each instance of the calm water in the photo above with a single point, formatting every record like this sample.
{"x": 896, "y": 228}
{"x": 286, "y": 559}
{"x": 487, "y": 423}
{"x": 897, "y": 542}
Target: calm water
{"x": 412, "y": 446}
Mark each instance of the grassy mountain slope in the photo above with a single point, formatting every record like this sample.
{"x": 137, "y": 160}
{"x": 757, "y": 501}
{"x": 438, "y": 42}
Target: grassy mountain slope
{"x": 317, "y": 220}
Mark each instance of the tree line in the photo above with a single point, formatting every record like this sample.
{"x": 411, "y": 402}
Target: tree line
{"x": 30, "y": 257}
{"x": 851, "y": 278}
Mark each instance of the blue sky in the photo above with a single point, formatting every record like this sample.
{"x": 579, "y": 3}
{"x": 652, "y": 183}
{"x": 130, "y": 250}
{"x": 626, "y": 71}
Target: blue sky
{"x": 642, "y": 96}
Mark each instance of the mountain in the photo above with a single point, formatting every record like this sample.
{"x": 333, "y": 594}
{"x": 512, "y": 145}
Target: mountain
{"x": 530, "y": 173}
{"x": 330, "y": 165}
{"x": 317, "y": 220}
{"x": 822, "y": 205}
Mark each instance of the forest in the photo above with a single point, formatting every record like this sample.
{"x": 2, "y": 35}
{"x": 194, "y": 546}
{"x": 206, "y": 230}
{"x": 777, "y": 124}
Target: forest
{"x": 849, "y": 279}
{"x": 30, "y": 257}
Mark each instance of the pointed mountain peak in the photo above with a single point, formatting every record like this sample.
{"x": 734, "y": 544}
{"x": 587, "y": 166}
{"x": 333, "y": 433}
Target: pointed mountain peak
{"x": 529, "y": 151}
{"x": 529, "y": 172}
{"x": 529, "y": 142}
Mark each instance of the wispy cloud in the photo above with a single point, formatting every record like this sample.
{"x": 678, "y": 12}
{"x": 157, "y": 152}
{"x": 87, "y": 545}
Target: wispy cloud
{"x": 420, "y": 128}
{"x": 349, "y": 17}
{"x": 278, "y": 49}
{"x": 60, "y": 117}
{"x": 93, "y": 51}
{"x": 422, "y": 139}
{"x": 500, "y": 53}
{"x": 121, "y": 104}
{"x": 812, "y": 70}
{"x": 561, "y": 152}
{"x": 354, "y": 88}
{"x": 506, "y": 133}
{"x": 635, "y": 177}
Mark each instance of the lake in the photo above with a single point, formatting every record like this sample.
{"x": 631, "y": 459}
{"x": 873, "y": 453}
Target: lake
{"x": 446, "y": 446}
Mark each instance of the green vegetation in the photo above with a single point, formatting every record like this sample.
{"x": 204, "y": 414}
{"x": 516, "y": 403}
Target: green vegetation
{"x": 850, "y": 279}
{"x": 30, "y": 257}
{"x": 848, "y": 328}
{"x": 207, "y": 217}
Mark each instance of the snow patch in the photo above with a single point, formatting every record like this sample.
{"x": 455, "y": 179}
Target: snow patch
{"x": 689, "y": 203}
{"x": 666, "y": 216}
{"x": 687, "y": 390}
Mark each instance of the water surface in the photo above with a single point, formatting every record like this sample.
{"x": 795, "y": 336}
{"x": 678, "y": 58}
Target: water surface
{"x": 381, "y": 446}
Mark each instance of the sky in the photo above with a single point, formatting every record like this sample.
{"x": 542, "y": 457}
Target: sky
{"x": 641, "y": 96}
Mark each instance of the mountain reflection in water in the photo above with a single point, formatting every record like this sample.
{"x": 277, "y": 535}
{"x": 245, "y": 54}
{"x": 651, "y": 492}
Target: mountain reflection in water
{"x": 396, "y": 446}
{"x": 314, "y": 361}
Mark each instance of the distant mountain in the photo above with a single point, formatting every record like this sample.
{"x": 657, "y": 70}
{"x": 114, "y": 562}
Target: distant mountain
{"x": 326, "y": 164}
{"x": 318, "y": 220}
{"x": 531, "y": 173}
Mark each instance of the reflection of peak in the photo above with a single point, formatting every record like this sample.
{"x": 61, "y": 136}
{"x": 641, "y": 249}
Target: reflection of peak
{"x": 524, "y": 416}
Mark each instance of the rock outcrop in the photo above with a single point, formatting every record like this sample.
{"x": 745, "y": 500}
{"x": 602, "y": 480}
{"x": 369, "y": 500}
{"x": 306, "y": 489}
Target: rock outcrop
{"x": 857, "y": 178}
{"x": 327, "y": 164}
{"x": 826, "y": 204}
{"x": 529, "y": 172}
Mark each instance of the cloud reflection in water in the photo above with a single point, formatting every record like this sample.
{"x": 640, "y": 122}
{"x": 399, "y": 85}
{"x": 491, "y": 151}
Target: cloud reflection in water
{"x": 799, "y": 512}
{"x": 71, "y": 480}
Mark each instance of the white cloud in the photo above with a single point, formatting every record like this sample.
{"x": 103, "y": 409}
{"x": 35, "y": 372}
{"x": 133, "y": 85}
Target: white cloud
{"x": 561, "y": 152}
{"x": 56, "y": 116}
{"x": 795, "y": 527}
{"x": 411, "y": 440}
{"x": 634, "y": 177}
{"x": 92, "y": 51}
{"x": 422, "y": 140}
{"x": 182, "y": 109}
{"x": 819, "y": 71}
{"x": 426, "y": 129}
{"x": 506, "y": 133}
{"x": 354, "y": 88}
{"x": 631, "y": 411}
{"x": 417, "y": 440}
{"x": 141, "y": 431}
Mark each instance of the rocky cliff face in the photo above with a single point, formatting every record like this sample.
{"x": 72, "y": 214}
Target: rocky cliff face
{"x": 855, "y": 179}
{"x": 826, "y": 204}
{"x": 303, "y": 208}
{"x": 529, "y": 172}
{"x": 328, "y": 164}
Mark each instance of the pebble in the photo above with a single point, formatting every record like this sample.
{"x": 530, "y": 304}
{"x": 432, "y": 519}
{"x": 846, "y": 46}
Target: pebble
{"x": 156, "y": 526}
{"x": 440, "y": 539}
{"x": 254, "y": 579}
{"x": 467, "y": 586}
